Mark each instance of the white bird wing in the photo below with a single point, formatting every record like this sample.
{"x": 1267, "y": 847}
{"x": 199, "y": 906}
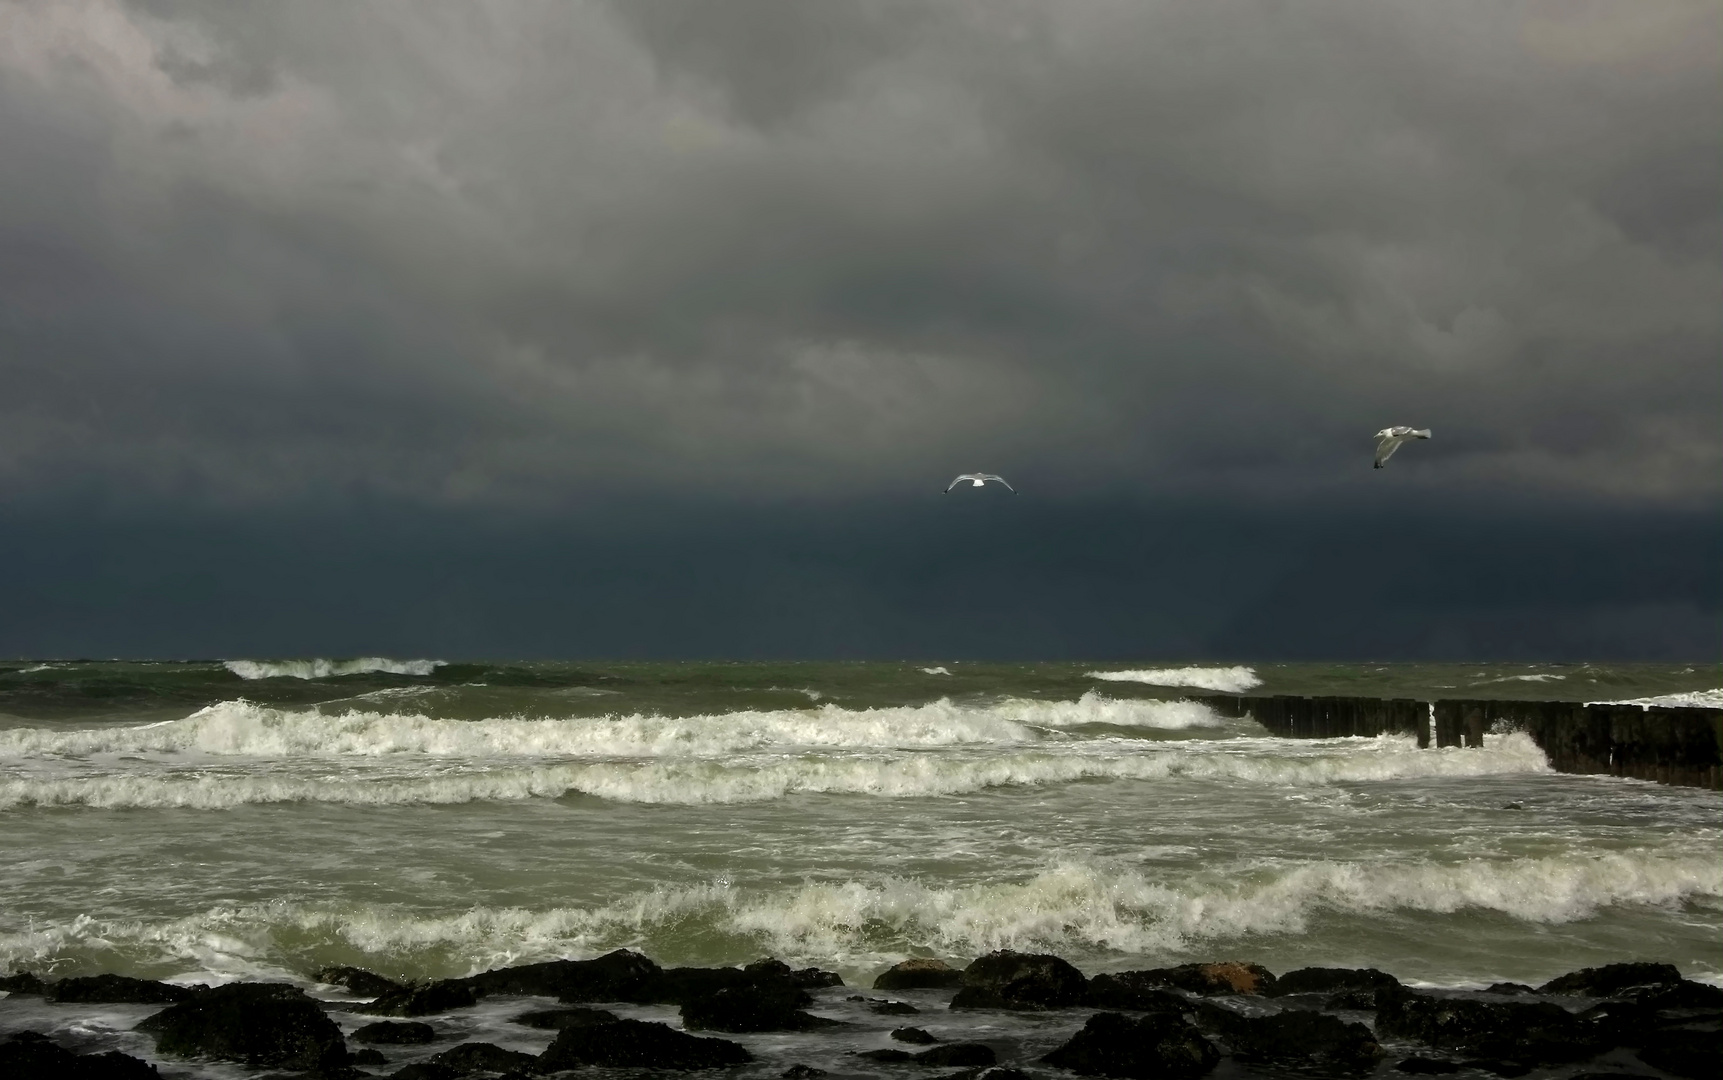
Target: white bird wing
{"x": 1002, "y": 480}
{"x": 1385, "y": 449}
{"x": 959, "y": 480}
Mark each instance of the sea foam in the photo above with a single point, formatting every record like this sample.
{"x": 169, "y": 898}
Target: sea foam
{"x": 324, "y": 669}
{"x": 1231, "y": 680}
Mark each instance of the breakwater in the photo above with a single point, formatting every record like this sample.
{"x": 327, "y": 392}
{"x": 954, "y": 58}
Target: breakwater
{"x": 1669, "y": 745}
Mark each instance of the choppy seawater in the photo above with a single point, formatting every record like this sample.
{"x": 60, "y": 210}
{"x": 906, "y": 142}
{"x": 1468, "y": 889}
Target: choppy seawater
{"x": 261, "y": 820}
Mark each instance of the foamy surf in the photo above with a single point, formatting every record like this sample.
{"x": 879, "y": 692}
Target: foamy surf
{"x": 1691, "y": 699}
{"x": 325, "y": 669}
{"x": 1231, "y": 680}
{"x": 767, "y": 777}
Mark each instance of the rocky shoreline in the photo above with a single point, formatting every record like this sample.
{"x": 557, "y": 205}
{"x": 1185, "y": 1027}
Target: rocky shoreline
{"x": 1176, "y": 1023}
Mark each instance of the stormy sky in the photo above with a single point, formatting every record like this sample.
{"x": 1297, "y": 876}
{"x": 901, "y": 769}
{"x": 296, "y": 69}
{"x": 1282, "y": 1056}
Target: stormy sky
{"x": 655, "y": 327}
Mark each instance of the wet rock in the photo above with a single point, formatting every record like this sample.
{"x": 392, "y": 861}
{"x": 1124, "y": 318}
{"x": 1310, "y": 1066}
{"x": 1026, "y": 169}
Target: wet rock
{"x": 1610, "y": 979}
{"x": 1508, "y": 988}
{"x": 1509, "y": 1069}
{"x": 990, "y": 1073}
{"x": 807, "y": 978}
{"x": 21, "y": 982}
{"x": 1231, "y": 977}
{"x": 889, "y": 1056}
{"x": 1693, "y": 1054}
{"x": 427, "y": 999}
{"x": 1685, "y": 994}
{"x": 358, "y": 981}
{"x": 1158, "y": 1046}
{"x": 1534, "y": 1032}
{"x": 1295, "y": 1039}
{"x": 752, "y": 1007}
{"x": 395, "y": 1033}
{"x": 104, "y": 989}
{"x": 1317, "y": 980}
{"x": 259, "y": 1024}
{"x": 913, "y": 1035}
{"x": 921, "y": 973}
{"x": 1127, "y": 990}
{"x": 1425, "y": 1066}
{"x": 474, "y": 1057}
{"x": 369, "y": 1056}
{"x": 963, "y": 1055}
{"x": 801, "y": 1072}
{"x": 423, "y": 1070}
{"x": 623, "y": 975}
{"x": 557, "y": 1019}
{"x": 30, "y": 1055}
{"x": 893, "y": 1008}
{"x": 1012, "y": 980}
{"x": 639, "y": 1044}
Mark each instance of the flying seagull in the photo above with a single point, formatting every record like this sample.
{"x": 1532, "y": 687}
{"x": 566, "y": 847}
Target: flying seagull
{"x": 979, "y": 479}
{"x": 1392, "y": 437}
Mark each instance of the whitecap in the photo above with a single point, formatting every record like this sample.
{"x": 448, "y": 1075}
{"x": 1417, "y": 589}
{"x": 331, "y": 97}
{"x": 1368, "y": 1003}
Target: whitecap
{"x": 1232, "y": 680}
{"x": 324, "y": 669}
{"x": 1689, "y": 699}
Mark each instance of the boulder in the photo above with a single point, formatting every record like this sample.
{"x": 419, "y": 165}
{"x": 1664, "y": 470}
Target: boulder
{"x": 889, "y": 1055}
{"x": 1012, "y": 980}
{"x": 1158, "y": 1046}
{"x": 104, "y": 989}
{"x": 1127, "y": 990}
{"x": 1685, "y": 994}
{"x": 1295, "y": 1039}
{"x": 369, "y": 1056}
{"x": 806, "y": 978}
{"x": 474, "y": 1057}
{"x": 557, "y": 1019}
{"x": 1697, "y": 1055}
{"x": 921, "y": 973}
{"x": 425, "y": 999}
{"x": 1316, "y": 980}
{"x": 358, "y": 981}
{"x": 1427, "y": 1066}
{"x": 799, "y": 1071}
{"x": 258, "y": 1024}
{"x": 915, "y": 1035}
{"x": 395, "y": 1033}
{"x": 1231, "y": 977}
{"x": 893, "y": 1008}
{"x": 1508, "y": 988}
{"x": 21, "y": 982}
{"x": 622, "y": 975}
{"x": 639, "y": 1044}
{"x": 752, "y": 1007}
{"x": 1610, "y": 979}
{"x": 30, "y": 1055}
{"x": 1520, "y": 1032}
{"x": 962, "y": 1055}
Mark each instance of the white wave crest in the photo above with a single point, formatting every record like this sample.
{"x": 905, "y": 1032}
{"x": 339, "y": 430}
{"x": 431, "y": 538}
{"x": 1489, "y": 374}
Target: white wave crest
{"x": 1231, "y": 680}
{"x": 244, "y": 728}
{"x": 935, "y": 671}
{"x": 860, "y": 923}
{"x": 776, "y": 776}
{"x": 324, "y": 669}
{"x": 1690, "y": 699}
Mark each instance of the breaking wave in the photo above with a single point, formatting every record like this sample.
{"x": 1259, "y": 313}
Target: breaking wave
{"x": 1691, "y": 699}
{"x": 1231, "y": 680}
{"x": 776, "y": 776}
{"x": 863, "y": 924}
{"x": 324, "y": 669}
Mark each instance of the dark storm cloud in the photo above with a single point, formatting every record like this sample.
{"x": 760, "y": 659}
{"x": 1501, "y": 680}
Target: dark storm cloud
{"x": 489, "y": 250}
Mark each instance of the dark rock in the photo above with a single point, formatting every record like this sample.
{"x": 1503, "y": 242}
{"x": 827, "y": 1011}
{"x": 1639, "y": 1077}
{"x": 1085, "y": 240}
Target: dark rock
{"x": 423, "y": 1000}
{"x": 893, "y": 1008}
{"x": 989, "y": 1073}
{"x": 1232, "y": 977}
{"x": 963, "y": 1055}
{"x": 913, "y": 1035}
{"x": 889, "y": 1055}
{"x": 557, "y": 1019}
{"x": 423, "y": 1070}
{"x": 1610, "y": 1076}
{"x": 1536, "y": 1032}
{"x": 1685, "y": 994}
{"x": 369, "y": 1056}
{"x": 677, "y": 986}
{"x": 31, "y": 1056}
{"x": 1127, "y": 990}
{"x": 622, "y": 975}
{"x": 1158, "y": 1046}
{"x": 358, "y": 981}
{"x": 1012, "y": 980}
{"x": 1359, "y": 1000}
{"x": 815, "y": 979}
{"x": 1295, "y": 1039}
{"x": 1508, "y": 988}
{"x": 1423, "y": 1066}
{"x": 1509, "y": 1069}
{"x": 1610, "y": 979}
{"x": 21, "y": 982}
{"x": 1693, "y": 1054}
{"x": 1315, "y": 980}
{"x": 801, "y": 1072}
{"x": 91, "y": 989}
{"x": 474, "y": 1057}
{"x": 639, "y": 1044}
{"x": 259, "y": 1024}
{"x": 752, "y": 1007}
{"x": 395, "y": 1033}
{"x": 921, "y": 973}
{"x": 806, "y": 978}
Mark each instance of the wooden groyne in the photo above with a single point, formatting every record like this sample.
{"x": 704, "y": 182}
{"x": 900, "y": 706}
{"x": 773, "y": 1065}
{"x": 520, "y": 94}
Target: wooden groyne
{"x": 1669, "y": 745}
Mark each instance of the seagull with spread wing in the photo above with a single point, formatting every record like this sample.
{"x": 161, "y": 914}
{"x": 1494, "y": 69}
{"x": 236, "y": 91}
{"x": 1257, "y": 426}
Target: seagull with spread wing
{"x": 1390, "y": 438}
{"x": 978, "y": 479}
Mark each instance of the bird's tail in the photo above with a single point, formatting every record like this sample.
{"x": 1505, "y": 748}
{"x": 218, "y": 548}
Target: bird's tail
{"x": 1424, "y": 434}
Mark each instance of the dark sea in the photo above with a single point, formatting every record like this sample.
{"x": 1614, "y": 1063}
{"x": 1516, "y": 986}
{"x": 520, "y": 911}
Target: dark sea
{"x": 215, "y": 821}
